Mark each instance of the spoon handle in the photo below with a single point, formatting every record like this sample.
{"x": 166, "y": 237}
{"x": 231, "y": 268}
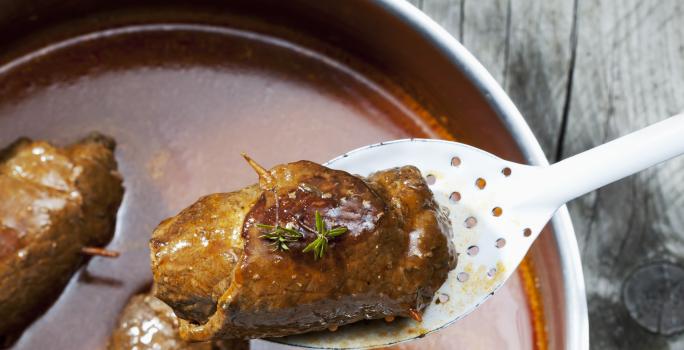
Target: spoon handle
{"x": 612, "y": 161}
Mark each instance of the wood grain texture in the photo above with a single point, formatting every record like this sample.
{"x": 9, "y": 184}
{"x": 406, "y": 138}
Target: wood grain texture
{"x": 480, "y": 25}
{"x": 629, "y": 73}
{"x": 539, "y": 65}
{"x": 583, "y": 72}
{"x": 448, "y": 13}
{"x": 526, "y": 46}
{"x": 416, "y": 3}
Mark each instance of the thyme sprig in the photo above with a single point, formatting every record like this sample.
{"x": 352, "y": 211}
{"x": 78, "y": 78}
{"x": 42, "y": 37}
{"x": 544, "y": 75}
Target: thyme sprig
{"x": 320, "y": 245}
{"x": 280, "y": 235}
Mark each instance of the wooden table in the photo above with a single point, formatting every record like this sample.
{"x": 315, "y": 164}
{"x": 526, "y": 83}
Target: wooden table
{"x": 584, "y": 72}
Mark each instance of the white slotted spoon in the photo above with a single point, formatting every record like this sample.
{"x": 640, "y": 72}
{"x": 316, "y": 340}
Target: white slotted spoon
{"x": 497, "y": 209}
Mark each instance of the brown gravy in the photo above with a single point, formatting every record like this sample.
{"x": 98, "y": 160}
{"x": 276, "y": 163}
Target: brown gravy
{"x": 183, "y": 101}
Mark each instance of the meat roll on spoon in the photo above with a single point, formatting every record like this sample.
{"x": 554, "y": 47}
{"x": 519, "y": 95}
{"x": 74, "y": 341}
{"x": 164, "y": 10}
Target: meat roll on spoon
{"x": 294, "y": 254}
{"x": 308, "y": 248}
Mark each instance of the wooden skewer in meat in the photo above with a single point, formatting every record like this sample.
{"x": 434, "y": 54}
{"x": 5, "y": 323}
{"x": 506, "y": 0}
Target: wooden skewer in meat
{"x": 54, "y": 202}
{"x": 96, "y": 251}
{"x": 308, "y": 248}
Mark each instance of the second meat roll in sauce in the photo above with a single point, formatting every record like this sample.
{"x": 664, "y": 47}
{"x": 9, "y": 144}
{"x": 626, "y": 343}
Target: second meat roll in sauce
{"x": 308, "y": 248}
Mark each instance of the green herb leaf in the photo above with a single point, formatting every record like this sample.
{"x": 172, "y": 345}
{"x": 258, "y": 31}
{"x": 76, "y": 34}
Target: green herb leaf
{"x": 292, "y": 232}
{"x": 320, "y": 225}
{"x": 337, "y": 231}
{"x": 320, "y": 245}
{"x": 280, "y": 236}
{"x": 310, "y": 246}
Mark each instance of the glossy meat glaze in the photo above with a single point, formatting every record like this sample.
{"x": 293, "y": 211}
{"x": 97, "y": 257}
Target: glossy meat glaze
{"x": 147, "y": 323}
{"x": 55, "y": 201}
{"x": 214, "y": 268}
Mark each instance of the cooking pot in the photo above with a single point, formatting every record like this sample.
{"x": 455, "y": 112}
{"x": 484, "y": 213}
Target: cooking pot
{"x": 51, "y": 48}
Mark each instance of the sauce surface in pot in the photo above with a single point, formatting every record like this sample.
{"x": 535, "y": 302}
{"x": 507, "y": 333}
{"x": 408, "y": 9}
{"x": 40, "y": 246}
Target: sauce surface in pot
{"x": 183, "y": 101}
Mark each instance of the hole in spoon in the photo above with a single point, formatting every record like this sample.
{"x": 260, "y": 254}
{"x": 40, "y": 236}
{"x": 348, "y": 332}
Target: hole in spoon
{"x": 455, "y": 161}
{"x": 443, "y": 298}
{"x": 491, "y": 272}
{"x": 497, "y": 211}
{"x": 430, "y": 179}
{"x": 500, "y": 243}
{"x": 455, "y": 197}
{"x": 527, "y": 232}
{"x": 462, "y": 276}
{"x": 470, "y": 222}
{"x": 480, "y": 183}
{"x": 473, "y": 250}
{"x": 507, "y": 171}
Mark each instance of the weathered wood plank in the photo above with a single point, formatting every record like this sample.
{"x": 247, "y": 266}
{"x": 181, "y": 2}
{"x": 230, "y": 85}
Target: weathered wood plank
{"x": 629, "y": 73}
{"x": 539, "y": 64}
{"x": 626, "y": 72}
{"x": 480, "y": 25}
{"x": 416, "y": 3}
{"x": 525, "y": 45}
{"x": 448, "y": 13}
{"x": 485, "y": 32}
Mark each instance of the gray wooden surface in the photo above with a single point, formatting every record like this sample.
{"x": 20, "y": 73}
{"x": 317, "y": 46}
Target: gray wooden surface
{"x": 583, "y": 72}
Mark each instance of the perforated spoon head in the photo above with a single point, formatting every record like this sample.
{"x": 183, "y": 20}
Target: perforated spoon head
{"x": 497, "y": 209}
{"x": 490, "y": 234}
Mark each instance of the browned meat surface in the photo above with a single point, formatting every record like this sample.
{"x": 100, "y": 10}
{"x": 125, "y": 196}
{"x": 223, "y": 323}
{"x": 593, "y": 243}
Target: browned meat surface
{"x": 198, "y": 250}
{"x": 213, "y": 266}
{"x": 54, "y": 201}
{"x": 146, "y": 323}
